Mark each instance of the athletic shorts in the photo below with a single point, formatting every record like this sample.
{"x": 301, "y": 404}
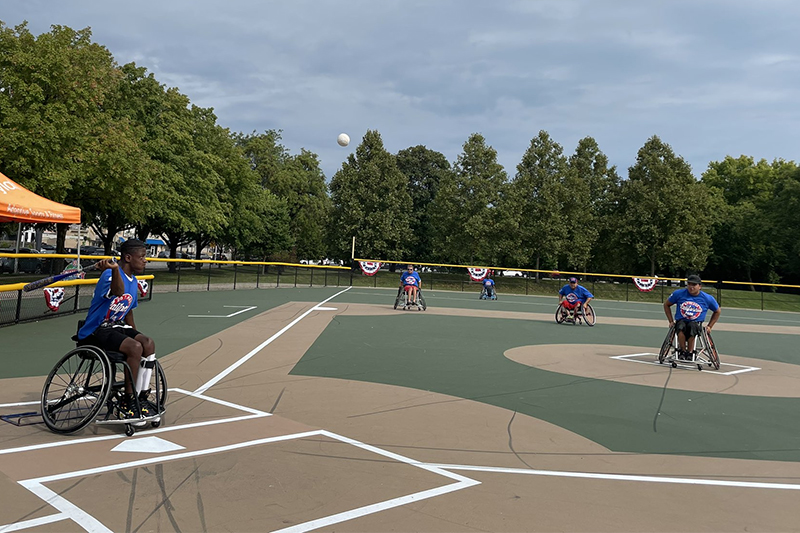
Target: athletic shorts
{"x": 568, "y": 305}
{"x": 109, "y": 338}
{"x": 690, "y": 328}
{"x": 408, "y": 288}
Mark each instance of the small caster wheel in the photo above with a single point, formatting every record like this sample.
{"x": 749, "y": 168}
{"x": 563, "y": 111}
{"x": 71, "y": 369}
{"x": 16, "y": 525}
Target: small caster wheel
{"x": 700, "y": 367}
{"x": 674, "y": 364}
{"x": 155, "y": 423}
{"x": 129, "y": 431}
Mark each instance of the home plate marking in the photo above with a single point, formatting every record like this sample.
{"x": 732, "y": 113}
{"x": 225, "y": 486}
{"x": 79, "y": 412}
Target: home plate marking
{"x": 147, "y": 445}
{"x": 652, "y": 359}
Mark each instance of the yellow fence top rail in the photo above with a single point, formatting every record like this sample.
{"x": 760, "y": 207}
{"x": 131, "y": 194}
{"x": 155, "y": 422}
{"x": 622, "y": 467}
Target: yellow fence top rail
{"x": 71, "y": 283}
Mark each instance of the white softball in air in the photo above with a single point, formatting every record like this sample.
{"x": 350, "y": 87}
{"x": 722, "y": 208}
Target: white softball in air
{"x": 343, "y": 139}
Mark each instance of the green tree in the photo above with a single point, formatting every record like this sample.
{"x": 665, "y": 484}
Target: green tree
{"x": 299, "y": 181}
{"x": 371, "y": 203}
{"x": 664, "y": 215}
{"x": 54, "y": 90}
{"x": 743, "y": 241}
{"x": 466, "y": 212}
{"x": 542, "y": 204}
{"x": 593, "y": 186}
{"x": 424, "y": 169}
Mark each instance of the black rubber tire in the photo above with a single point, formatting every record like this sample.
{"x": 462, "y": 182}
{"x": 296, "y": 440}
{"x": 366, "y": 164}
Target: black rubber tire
{"x": 422, "y": 303}
{"x": 711, "y": 349}
{"x": 666, "y": 346}
{"x": 129, "y": 430}
{"x": 76, "y": 389}
{"x": 560, "y": 314}
{"x": 590, "y": 319}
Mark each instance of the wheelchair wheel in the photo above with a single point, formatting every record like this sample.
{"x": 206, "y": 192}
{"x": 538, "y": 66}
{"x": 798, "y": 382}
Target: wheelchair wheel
{"x": 422, "y": 304}
{"x": 399, "y": 298}
{"x": 667, "y": 345}
{"x": 561, "y": 314}
{"x": 158, "y": 393}
{"x": 76, "y": 389}
{"x": 483, "y": 295}
{"x": 710, "y": 349}
{"x": 590, "y": 319}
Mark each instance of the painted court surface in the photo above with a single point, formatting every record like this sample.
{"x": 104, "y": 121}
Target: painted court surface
{"x": 327, "y": 410}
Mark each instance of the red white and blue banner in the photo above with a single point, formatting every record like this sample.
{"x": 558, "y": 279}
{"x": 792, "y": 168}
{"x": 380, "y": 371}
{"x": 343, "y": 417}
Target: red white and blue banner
{"x": 477, "y": 274}
{"x": 143, "y": 288}
{"x": 53, "y": 297}
{"x": 369, "y": 268}
{"x": 645, "y": 284}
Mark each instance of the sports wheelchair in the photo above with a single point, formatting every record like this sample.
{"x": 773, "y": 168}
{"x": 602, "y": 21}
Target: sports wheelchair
{"x": 704, "y": 353}
{"x": 402, "y": 300}
{"x": 488, "y": 293}
{"x": 85, "y": 382}
{"x": 585, "y": 315}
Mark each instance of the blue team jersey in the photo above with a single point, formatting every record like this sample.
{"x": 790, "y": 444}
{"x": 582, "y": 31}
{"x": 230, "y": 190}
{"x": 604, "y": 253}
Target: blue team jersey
{"x": 106, "y": 307}
{"x": 488, "y": 282}
{"x": 578, "y": 294}
{"x": 692, "y": 308}
{"x": 412, "y": 278}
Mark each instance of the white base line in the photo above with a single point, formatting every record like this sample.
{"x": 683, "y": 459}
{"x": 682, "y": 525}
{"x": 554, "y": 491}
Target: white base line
{"x": 255, "y": 414}
{"x": 20, "y": 404}
{"x": 219, "y": 377}
{"x": 686, "y": 364}
{"x": 18, "y": 526}
{"x": 624, "y": 477}
{"x": 226, "y": 316}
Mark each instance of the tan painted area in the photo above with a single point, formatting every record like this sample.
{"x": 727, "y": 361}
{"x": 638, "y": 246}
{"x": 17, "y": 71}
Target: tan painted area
{"x": 770, "y": 379}
{"x": 281, "y": 484}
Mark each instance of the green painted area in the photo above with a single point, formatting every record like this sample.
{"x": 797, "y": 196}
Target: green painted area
{"x": 32, "y": 349}
{"x": 463, "y": 357}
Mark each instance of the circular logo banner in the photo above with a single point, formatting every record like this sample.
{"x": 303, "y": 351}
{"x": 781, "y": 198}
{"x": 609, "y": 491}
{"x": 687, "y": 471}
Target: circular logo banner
{"x": 645, "y": 284}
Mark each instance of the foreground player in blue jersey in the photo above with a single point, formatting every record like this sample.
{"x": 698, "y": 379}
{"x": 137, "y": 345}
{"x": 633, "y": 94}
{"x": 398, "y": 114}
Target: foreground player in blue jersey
{"x": 110, "y": 326}
{"x": 411, "y": 282}
{"x": 573, "y": 296}
{"x": 692, "y": 306}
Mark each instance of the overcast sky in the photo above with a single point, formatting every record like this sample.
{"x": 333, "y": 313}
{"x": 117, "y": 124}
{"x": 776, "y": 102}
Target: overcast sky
{"x": 711, "y": 78}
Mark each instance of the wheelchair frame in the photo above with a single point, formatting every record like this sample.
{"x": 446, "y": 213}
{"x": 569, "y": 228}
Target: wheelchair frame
{"x": 84, "y": 381}
{"x": 485, "y": 296}
{"x": 704, "y": 353}
{"x": 577, "y": 317}
{"x": 402, "y": 297}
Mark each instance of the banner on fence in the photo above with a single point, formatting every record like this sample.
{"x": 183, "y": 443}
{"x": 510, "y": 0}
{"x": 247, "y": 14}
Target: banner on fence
{"x": 477, "y": 274}
{"x": 645, "y": 284}
{"x": 370, "y": 268}
{"x": 143, "y": 287}
{"x": 53, "y": 297}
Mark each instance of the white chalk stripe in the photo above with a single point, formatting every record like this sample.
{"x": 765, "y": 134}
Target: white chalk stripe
{"x": 624, "y": 477}
{"x": 376, "y": 508}
{"x": 75, "y": 513}
{"x": 219, "y": 377}
{"x": 35, "y": 522}
{"x": 222, "y": 402}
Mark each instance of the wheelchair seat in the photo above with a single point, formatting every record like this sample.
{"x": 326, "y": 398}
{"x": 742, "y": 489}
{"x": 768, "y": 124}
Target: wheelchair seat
{"x": 114, "y": 357}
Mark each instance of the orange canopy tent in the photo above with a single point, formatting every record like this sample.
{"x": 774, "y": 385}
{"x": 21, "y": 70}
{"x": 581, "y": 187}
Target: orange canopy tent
{"x": 18, "y": 204}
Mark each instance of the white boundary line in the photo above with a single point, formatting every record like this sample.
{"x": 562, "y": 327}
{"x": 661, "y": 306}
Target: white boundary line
{"x": 255, "y": 413}
{"x": 685, "y": 364}
{"x": 35, "y": 522}
{"x": 219, "y": 377}
{"x": 624, "y": 477}
{"x": 19, "y": 404}
{"x": 227, "y": 316}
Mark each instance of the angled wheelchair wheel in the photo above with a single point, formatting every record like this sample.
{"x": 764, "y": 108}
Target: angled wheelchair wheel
{"x": 587, "y": 312}
{"x": 399, "y": 299}
{"x": 422, "y": 304}
{"x": 561, "y": 314}
{"x": 710, "y": 349}
{"x": 76, "y": 389}
{"x": 667, "y": 346}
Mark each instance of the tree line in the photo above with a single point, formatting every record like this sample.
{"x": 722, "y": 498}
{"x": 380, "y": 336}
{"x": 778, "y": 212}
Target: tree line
{"x": 132, "y": 153}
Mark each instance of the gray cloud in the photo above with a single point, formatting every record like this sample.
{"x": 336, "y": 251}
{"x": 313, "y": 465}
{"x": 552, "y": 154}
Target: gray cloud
{"x": 711, "y": 78}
